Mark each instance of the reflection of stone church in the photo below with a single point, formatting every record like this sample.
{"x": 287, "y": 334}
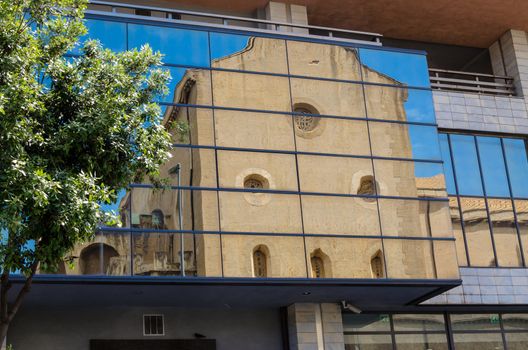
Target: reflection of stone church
{"x": 208, "y": 211}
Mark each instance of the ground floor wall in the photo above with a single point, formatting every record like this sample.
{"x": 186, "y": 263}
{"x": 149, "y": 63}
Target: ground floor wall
{"x": 73, "y": 327}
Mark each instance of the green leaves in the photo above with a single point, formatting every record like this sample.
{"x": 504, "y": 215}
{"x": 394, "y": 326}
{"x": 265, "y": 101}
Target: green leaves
{"x": 72, "y": 130}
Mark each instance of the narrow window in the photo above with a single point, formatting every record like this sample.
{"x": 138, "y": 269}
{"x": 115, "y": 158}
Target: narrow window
{"x": 376, "y": 264}
{"x": 142, "y": 12}
{"x": 158, "y": 219}
{"x": 317, "y": 267}
{"x": 259, "y": 263}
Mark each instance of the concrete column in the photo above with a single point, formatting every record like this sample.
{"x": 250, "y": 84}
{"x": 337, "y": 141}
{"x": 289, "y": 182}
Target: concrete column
{"x": 281, "y": 12}
{"x": 509, "y": 56}
{"x": 315, "y": 327}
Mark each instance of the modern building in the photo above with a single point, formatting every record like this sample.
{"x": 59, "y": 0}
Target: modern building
{"x": 329, "y": 187}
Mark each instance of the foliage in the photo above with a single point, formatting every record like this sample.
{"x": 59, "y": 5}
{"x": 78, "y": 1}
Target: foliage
{"x": 73, "y": 130}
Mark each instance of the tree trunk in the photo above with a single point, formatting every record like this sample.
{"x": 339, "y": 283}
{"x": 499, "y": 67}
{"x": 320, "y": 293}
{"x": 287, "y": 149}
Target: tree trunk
{"x": 3, "y": 334}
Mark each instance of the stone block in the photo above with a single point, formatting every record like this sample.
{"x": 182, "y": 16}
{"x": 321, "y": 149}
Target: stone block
{"x": 519, "y": 281}
{"x": 455, "y": 299}
{"x": 504, "y": 290}
{"x": 473, "y": 299}
{"x": 488, "y": 290}
{"x": 458, "y": 109}
{"x": 486, "y": 280}
{"x": 490, "y": 299}
{"x": 521, "y": 299}
{"x": 506, "y": 299}
{"x": 471, "y": 290}
{"x": 470, "y": 280}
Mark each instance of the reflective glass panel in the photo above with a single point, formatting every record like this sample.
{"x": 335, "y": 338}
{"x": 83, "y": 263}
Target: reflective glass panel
{"x": 477, "y": 231}
{"x": 445, "y": 259}
{"x": 368, "y": 342}
{"x": 260, "y": 212}
{"x": 448, "y": 166}
{"x": 404, "y": 141}
{"x": 266, "y": 171}
{"x": 493, "y": 169}
{"x": 335, "y": 174}
{"x": 332, "y": 135}
{"x": 409, "y": 258}
{"x": 521, "y": 210}
{"x": 517, "y": 166}
{"x": 159, "y": 253}
{"x": 179, "y": 46}
{"x": 329, "y": 97}
{"x": 515, "y": 321}
{"x": 399, "y": 104}
{"x": 414, "y": 218}
{"x": 517, "y": 341}
{"x": 112, "y": 35}
{"x": 480, "y": 341}
{"x": 188, "y": 86}
{"x": 120, "y": 208}
{"x": 466, "y": 165}
{"x": 418, "y": 322}
{"x": 454, "y": 210}
{"x": 248, "y": 53}
{"x": 409, "y": 179}
{"x": 504, "y": 232}
{"x": 480, "y": 322}
{"x": 107, "y": 254}
{"x": 340, "y": 215}
{"x": 326, "y": 61}
{"x": 401, "y": 68}
{"x": 345, "y": 257}
{"x": 280, "y": 256}
{"x": 189, "y": 125}
{"x": 254, "y": 130}
{"x": 423, "y": 341}
{"x": 366, "y": 322}
{"x": 253, "y": 91}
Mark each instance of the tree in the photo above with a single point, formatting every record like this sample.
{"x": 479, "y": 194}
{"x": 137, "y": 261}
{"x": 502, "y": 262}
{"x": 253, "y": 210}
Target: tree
{"x": 73, "y": 131}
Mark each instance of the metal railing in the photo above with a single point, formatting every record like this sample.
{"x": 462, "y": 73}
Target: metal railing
{"x": 442, "y": 79}
{"x": 216, "y": 20}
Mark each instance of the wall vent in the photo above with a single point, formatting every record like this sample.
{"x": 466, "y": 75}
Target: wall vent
{"x": 153, "y": 325}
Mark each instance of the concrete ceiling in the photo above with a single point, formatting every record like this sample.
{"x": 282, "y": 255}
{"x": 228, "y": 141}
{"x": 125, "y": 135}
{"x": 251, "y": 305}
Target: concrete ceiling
{"x": 476, "y": 23}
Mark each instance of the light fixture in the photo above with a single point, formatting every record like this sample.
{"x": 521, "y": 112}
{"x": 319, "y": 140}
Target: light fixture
{"x": 351, "y": 307}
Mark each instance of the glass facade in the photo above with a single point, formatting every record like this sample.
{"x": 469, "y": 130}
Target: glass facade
{"x": 317, "y": 160}
{"x": 486, "y": 183}
{"x": 441, "y": 331}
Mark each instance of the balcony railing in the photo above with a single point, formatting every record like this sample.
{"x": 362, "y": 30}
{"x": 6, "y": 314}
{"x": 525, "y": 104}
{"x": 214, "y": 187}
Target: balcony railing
{"x": 216, "y": 20}
{"x": 471, "y": 82}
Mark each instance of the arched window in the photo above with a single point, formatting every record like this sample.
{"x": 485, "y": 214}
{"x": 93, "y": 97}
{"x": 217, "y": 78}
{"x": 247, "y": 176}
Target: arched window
{"x": 376, "y": 264}
{"x": 260, "y": 268}
{"x": 317, "y": 267}
{"x": 305, "y": 122}
{"x": 95, "y": 259}
{"x": 367, "y": 186}
{"x": 158, "y": 219}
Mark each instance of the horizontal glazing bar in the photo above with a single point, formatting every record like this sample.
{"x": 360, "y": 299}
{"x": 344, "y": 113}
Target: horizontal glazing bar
{"x": 222, "y": 148}
{"x": 245, "y": 233}
{"x": 295, "y": 76}
{"x": 261, "y": 190}
{"x": 295, "y": 113}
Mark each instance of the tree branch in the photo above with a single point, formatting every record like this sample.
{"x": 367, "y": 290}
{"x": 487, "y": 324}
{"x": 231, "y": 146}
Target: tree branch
{"x": 25, "y": 289}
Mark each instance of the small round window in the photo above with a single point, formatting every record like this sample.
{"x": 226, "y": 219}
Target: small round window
{"x": 305, "y": 122}
{"x": 256, "y": 181}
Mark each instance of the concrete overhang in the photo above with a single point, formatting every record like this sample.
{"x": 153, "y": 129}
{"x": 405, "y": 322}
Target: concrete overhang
{"x": 60, "y": 291}
{"x": 475, "y": 23}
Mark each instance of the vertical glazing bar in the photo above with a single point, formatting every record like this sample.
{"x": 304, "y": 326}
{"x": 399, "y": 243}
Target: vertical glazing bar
{"x": 180, "y": 223}
{"x": 458, "y": 197}
{"x": 372, "y": 164}
{"x": 216, "y": 160}
{"x": 297, "y": 162}
{"x": 517, "y": 227}
{"x": 131, "y": 234}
